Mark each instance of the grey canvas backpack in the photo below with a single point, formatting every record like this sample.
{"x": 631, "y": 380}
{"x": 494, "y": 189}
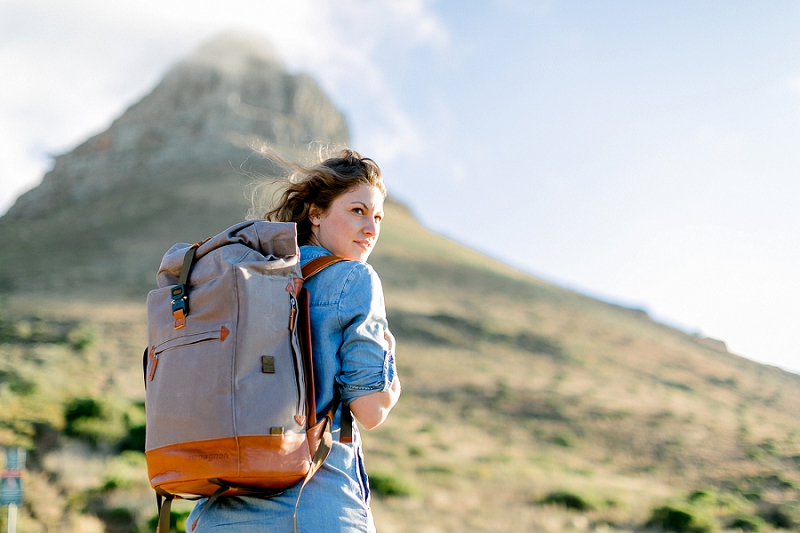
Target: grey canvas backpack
{"x": 228, "y": 370}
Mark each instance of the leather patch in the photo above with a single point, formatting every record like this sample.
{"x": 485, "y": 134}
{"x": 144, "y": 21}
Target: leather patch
{"x": 223, "y": 333}
{"x": 300, "y": 419}
{"x": 267, "y": 364}
{"x": 294, "y": 286}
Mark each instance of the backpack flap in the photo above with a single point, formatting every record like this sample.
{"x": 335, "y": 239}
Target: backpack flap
{"x": 275, "y": 241}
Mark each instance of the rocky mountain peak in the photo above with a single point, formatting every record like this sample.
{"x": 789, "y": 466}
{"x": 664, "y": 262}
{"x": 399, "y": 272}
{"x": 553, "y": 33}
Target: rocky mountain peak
{"x": 229, "y": 96}
{"x": 235, "y": 53}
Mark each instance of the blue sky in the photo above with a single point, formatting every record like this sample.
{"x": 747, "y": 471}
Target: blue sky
{"x": 643, "y": 152}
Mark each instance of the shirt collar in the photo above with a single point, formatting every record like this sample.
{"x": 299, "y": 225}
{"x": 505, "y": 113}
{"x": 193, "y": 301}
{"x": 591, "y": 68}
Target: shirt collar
{"x": 309, "y": 252}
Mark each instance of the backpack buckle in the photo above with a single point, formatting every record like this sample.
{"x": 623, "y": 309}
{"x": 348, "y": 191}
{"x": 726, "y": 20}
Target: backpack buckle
{"x": 180, "y": 305}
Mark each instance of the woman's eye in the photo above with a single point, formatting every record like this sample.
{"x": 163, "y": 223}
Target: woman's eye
{"x": 378, "y": 219}
{"x": 358, "y": 211}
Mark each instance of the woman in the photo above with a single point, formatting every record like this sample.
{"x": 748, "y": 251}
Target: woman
{"x": 338, "y": 208}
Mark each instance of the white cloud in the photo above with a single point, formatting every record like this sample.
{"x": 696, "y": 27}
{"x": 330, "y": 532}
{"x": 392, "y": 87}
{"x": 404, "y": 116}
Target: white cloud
{"x": 81, "y": 63}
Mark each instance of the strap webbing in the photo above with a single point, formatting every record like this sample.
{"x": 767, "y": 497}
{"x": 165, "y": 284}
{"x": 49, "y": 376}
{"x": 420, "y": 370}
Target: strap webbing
{"x": 315, "y": 266}
{"x": 211, "y": 499}
{"x": 323, "y": 449}
{"x": 188, "y": 261}
{"x": 164, "y": 512}
{"x": 346, "y": 422}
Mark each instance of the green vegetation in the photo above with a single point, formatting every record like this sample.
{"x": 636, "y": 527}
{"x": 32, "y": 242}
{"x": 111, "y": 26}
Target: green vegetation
{"x": 678, "y": 520}
{"x": 746, "y": 523}
{"x": 568, "y": 500}
{"x": 384, "y": 484}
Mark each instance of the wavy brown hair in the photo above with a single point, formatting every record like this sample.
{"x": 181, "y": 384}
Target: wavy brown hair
{"x": 319, "y": 185}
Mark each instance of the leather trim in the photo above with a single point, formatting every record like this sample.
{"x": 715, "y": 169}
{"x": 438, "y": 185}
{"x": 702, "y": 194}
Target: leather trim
{"x": 263, "y": 461}
{"x": 314, "y": 434}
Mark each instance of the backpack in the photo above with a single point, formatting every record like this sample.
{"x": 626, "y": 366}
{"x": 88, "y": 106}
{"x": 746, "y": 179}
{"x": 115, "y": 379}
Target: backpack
{"x": 229, "y": 385}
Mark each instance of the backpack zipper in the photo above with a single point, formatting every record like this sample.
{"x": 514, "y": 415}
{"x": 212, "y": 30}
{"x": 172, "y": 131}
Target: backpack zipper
{"x": 190, "y": 339}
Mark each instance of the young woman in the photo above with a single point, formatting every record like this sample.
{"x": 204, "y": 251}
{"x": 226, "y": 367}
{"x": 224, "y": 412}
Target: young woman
{"x": 338, "y": 208}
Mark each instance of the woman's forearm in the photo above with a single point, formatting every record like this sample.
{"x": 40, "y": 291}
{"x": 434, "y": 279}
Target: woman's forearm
{"x": 372, "y": 409}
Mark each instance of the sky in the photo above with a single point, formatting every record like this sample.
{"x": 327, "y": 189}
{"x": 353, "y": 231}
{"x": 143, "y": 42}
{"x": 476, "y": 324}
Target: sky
{"x": 645, "y": 153}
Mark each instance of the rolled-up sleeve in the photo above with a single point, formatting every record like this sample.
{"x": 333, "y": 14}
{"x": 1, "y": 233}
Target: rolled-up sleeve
{"x": 367, "y": 365}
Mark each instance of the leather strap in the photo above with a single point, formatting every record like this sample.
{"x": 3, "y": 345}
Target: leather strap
{"x": 315, "y": 266}
{"x": 304, "y": 335}
{"x": 312, "y": 268}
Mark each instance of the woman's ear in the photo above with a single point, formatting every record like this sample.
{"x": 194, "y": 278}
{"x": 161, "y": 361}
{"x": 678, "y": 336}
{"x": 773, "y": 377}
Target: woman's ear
{"x": 314, "y": 214}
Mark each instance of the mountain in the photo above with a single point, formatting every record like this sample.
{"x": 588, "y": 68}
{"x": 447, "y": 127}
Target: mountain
{"x": 525, "y": 406}
{"x": 185, "y": 150}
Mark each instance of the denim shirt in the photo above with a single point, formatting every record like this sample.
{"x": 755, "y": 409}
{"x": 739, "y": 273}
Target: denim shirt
{"x": 348, "y": 322}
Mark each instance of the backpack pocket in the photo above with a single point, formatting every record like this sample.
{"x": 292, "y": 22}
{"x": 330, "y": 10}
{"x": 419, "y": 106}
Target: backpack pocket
{"x": 156, "y": 352}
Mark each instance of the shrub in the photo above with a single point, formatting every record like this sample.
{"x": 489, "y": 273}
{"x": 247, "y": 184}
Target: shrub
{"x": 568, "y": 500}
{"x": 562, "y": 439}
{"x": 415, "y": 451}
{"x": 669, "y": 518}
{"x": 92, "y": 421}
{"x": 134, "y": 440}
{"x": 135, "y": 420}
{"x": 82, "y": 408}
{"x": 118, "y": 519}
{"x": 384, "y": 484}
{"x": 80, "y": 339}
{"x": 778, "y": 516}
{"x": 702, "y": 497}
{"x": 746, "y": 523}
{"x": 16, "y": 383}
{"x": 79, "y": 414}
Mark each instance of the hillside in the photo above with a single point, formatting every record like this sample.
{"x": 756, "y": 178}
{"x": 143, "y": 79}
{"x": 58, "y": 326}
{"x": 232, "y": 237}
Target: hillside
{"x": 526, "y": 407}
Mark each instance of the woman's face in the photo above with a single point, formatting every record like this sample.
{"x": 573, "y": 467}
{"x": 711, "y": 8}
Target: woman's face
{"x": 351, "y": 225}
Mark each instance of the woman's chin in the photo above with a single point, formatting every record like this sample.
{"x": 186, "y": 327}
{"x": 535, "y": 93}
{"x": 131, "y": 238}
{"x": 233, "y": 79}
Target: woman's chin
{"x": 360, "y": 253}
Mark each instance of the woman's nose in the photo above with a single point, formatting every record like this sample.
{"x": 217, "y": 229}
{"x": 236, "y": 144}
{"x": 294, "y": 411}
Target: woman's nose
{"x": 371, "y": 227}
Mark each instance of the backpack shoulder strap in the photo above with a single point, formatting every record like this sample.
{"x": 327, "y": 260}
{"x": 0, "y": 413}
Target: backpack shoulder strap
{"x": 315, "y": 266}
